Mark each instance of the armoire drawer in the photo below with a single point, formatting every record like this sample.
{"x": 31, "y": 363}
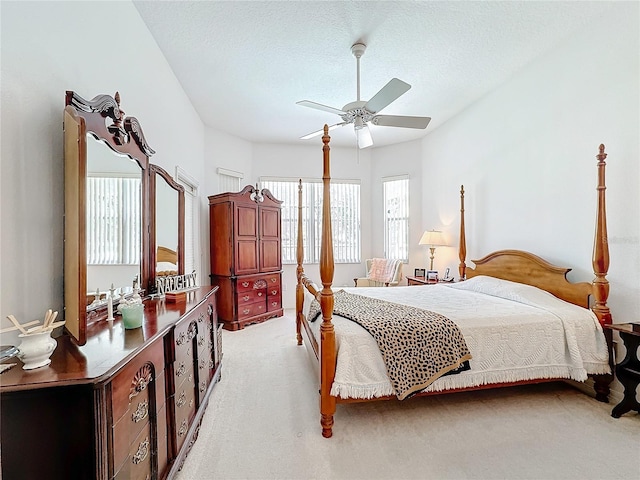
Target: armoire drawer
{"x": 246, "y": 311}
{"x": 251, "y": 296}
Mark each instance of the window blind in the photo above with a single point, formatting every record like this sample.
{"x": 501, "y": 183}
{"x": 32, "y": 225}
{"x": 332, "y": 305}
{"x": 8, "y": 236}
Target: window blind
{"x": 396, "y": 217}
{"x": 345, "y": 216}
{"x": 114, "y": 222}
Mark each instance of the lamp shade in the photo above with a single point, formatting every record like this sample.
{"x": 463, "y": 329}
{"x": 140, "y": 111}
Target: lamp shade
{"x": 433, "y": 238}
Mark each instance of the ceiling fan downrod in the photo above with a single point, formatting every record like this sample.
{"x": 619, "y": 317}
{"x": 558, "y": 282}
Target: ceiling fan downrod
{"x": 358, "y": 49}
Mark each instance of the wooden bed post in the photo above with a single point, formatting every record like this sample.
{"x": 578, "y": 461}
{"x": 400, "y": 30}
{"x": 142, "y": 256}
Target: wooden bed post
{"x": 299, "y": 269}
{"x": 600, "y": 283}
{"x": 327, "y": 333}
{"x": 462, "y": 247}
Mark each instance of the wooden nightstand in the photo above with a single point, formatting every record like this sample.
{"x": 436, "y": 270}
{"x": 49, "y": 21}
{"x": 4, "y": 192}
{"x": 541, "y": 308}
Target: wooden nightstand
{"x": 419, "y": 281}
{"x": 628, "y": 371}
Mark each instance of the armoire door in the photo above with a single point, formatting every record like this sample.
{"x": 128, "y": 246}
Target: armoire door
{"x": 270, "y": 255}
{"x": 246, "y": 238}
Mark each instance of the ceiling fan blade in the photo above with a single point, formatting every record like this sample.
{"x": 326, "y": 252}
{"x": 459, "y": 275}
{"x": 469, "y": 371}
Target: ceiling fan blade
{"x": 401, "y": 121}
{"x": 321, "y": 131}
{"x": 387, "y": 94}
{"x": 319, "y": 106}
{"x": 364, "y": 137}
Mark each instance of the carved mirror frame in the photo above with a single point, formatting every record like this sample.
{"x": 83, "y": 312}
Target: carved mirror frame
{"x": 158, "y": 174}
{"x": 103, "y": 118}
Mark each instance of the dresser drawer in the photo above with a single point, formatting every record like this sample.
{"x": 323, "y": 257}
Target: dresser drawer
{"x": 246, "y": 311}
{"x": 136, "y": 419}
{"x": 183, "y": 336}
{"x": 137, "y": 465}
{"x": 251, "y": 296}
{"x": 136, "y": 377}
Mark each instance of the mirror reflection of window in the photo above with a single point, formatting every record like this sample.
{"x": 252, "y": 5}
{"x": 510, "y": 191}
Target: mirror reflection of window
{"x": 114, "y": 218}
{"x": 166, "y": 227}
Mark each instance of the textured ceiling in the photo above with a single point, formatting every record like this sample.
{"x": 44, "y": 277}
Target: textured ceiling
{"x": 244, "y": 65}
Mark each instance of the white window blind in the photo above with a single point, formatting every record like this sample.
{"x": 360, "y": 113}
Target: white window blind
{"x": 190, "y": 219}
{"x": 345, "y": 218}
{"x": 396, "y": 217}
{"x": 114, "y": 224}
{"x": 229, "y": 180}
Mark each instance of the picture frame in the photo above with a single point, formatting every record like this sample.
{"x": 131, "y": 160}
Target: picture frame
{"x": 419, "y": 272}
{"x": 432, "y": 275}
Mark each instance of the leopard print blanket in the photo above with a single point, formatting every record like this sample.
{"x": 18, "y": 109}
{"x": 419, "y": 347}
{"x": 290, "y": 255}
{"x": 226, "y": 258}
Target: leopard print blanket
{"x": 418, "y": 346}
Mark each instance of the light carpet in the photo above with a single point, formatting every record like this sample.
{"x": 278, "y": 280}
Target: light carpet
{"x": 263, "y": 423}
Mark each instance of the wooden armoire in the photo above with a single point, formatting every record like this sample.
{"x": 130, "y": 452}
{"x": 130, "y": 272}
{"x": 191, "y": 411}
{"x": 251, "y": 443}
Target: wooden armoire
{"x": 246, "y": 259}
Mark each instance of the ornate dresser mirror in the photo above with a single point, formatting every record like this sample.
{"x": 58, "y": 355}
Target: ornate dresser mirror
{"x": 106, "y": 206}
{"x": 166, "y": 215}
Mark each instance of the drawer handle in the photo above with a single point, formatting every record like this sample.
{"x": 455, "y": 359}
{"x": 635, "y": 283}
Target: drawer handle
{"x": 259, "y": 294}
{"x": 192, "y": 331}
{"x": 203, "y": 386}
{"x": 245, "y": 311}
{"x": 142, "y": 410}
{"x": 201, "y": 341}
{"x": 201, "y": 317}
{"x": 274, "y": 292}
{"x": 190, "y": 378}
{"x": 182, "y": 399}
{"x": 273, "y": 280}
{"x": 182, "y": 338}
{"x": 182, "y": 370}
{"x": 143, "y": 451}
{"x": 246, "y": 298}
{"x": 245, "y": 284}
{"x": 274, "y": 304}
{"x": 203, "y": 364}
{"x": 211, "y": 364}
{"x": 183, "y": 428}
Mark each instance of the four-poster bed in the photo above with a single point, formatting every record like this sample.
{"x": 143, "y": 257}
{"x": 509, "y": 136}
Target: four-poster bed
{"x": 515, "y": 283}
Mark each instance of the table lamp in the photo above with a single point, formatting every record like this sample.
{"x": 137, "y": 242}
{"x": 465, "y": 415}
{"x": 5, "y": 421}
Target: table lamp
{"x": 433, "y": 238}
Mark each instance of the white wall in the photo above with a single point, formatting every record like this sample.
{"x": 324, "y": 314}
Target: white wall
{"x": 526, "y": 155}
{"x": 91, "y": 48}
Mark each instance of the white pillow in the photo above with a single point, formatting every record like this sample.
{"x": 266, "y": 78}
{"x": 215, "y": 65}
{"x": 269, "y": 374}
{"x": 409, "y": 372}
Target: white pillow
{"x": 166, "y": 266}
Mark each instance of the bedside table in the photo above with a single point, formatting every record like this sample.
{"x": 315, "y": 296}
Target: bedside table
{"x": 628, "y": 371}
{"x": 419, "y": 281}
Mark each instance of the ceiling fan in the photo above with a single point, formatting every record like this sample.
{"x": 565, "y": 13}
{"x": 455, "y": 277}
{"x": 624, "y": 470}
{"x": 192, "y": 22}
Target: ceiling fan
{"x": 361, "y": 112}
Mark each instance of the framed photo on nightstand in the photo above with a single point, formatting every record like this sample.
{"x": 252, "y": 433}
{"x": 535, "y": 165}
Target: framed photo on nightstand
{"x": 419, "y": 272}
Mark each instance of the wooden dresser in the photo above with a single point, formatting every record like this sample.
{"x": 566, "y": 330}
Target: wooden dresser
{"x": 127, "y": 405}
{"x": 246, "y": 261}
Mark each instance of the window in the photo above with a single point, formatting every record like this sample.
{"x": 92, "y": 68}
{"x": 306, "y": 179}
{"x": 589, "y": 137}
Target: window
{"x": 345, "y": 216}
{"x": 229, "y": 180}
{"x": 396, "y": 217}
{"x": 114, "y": 225}
{"x": 191, "y": 210}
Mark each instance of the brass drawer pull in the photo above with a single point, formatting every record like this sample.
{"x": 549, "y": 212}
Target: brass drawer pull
{"x": 259, "y": 294}
{"x": 274, "y": 280}
{"x": 245, "y": 311}
{"x": 246, "y": 298}
{"x": 201, "y": 341}
{"x": 142, "y": 410}
{"x": 183, "y": 428}
{"x": 143, "y": 451}
{"x": 182, "y": 399}
{"x": 274, "y": 304}
{"x": 274, "y": 292}
{"x": 182, "y": 338}
{"x": 245, "y": 284}
{"x": 203, "y": 386}
{"x": 201, "y": 317}
{"x": 182, "y": 370}
{"x": 203, "y": 364}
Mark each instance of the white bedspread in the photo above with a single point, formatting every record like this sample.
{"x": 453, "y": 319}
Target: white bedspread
{"x": 515, "y": 332}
